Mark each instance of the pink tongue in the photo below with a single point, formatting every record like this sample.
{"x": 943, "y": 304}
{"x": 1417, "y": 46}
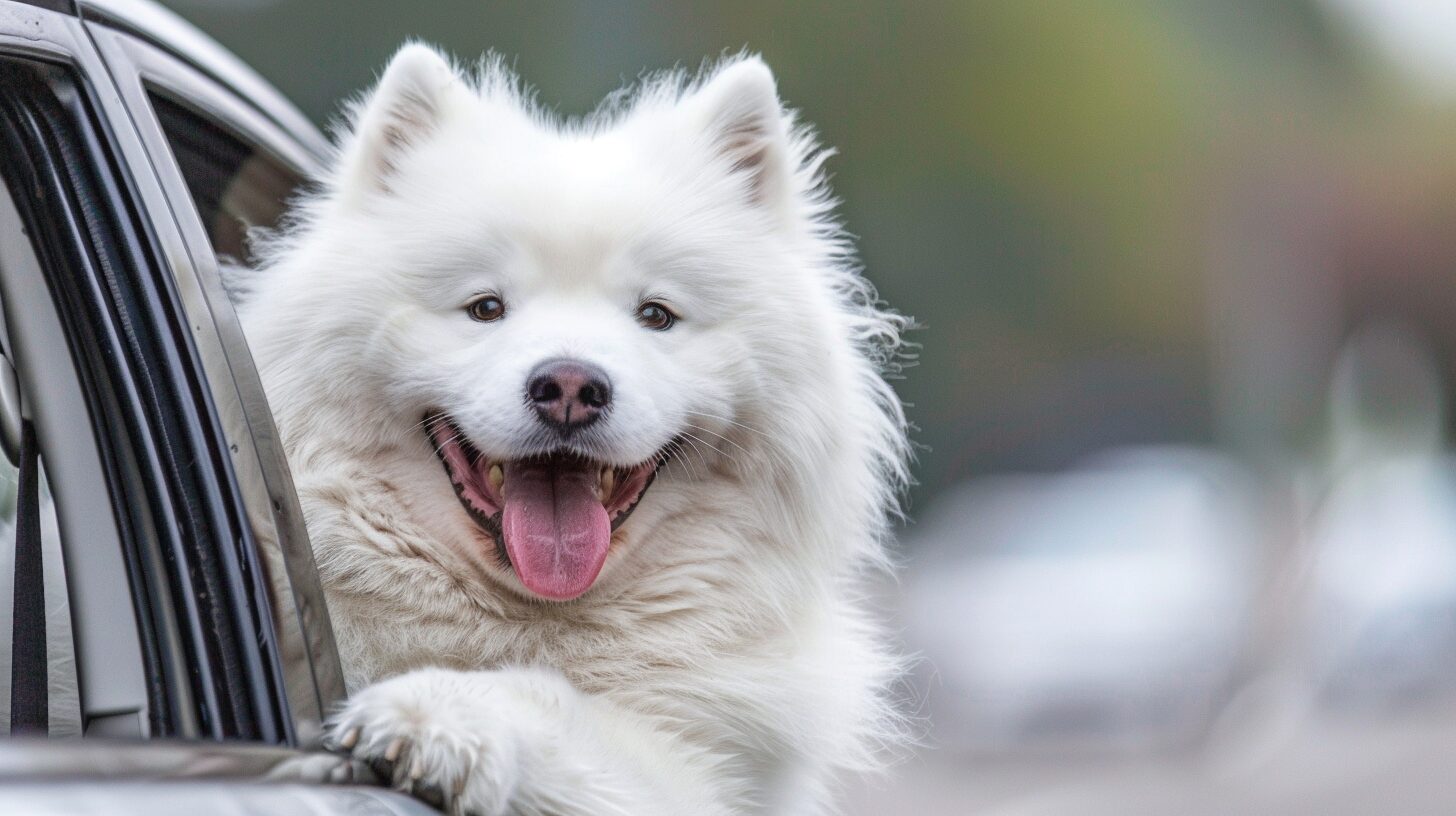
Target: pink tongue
{"x": 556, "y": 530}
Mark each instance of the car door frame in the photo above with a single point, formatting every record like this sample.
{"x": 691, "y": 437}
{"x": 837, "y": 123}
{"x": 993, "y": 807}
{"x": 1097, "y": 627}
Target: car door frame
{"x": 283, "y": 657}
{"x": 139, "y": 66}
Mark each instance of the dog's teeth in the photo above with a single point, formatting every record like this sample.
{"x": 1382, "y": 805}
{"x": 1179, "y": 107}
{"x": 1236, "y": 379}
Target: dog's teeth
{"x": 497, "y": 476}
{"x": 609, "y": 481}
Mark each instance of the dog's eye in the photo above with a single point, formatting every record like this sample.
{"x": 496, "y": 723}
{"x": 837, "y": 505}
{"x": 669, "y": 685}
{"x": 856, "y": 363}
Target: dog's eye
{"x": 655, "y": 316}
{"x": 487, "y": 309}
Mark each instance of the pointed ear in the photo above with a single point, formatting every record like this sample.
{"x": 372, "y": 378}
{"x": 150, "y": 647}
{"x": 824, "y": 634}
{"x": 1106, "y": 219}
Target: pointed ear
{"x": 739, "y": 112}
{"x": 406, "y": 107}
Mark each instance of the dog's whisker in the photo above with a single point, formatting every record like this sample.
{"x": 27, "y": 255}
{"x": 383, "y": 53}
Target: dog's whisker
{"x": 719, "y": 436}
{"x": 693, "y": 441}
{"x": 442, "y": 444}
{"x": 710, "y": 445}
{"x": 775, "y": 457}
{"x": 730, "y": 421}
{"x": 679, "y": 453}
{"x": 735, "y": 423}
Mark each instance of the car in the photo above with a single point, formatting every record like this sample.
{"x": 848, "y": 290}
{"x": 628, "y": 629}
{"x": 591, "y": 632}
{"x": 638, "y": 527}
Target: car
{"x": 1097, "y": 610}
{"x": 165, "y": 633}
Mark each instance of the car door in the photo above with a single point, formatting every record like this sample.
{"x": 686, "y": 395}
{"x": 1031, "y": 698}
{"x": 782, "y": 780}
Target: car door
{"x": 198, "y": 646}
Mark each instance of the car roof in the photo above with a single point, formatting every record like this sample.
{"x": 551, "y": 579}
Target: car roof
{"x": 166, "y": 30}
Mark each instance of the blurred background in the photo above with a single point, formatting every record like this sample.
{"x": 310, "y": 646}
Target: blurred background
{"x": 1184, "y": 539}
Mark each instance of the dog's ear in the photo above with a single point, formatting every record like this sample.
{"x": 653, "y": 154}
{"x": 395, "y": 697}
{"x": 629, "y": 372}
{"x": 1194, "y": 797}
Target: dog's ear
{"x": 405, "y": 108}
{"x": 738, "y": 109}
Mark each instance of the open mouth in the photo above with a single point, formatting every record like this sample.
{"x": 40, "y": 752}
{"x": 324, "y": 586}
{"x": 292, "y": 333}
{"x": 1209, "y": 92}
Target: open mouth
{"x": 551, "y": 516}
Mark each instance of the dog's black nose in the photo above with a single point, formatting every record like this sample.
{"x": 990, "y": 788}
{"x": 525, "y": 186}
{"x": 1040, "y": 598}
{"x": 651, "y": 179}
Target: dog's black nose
{"x": 568, "y": 394}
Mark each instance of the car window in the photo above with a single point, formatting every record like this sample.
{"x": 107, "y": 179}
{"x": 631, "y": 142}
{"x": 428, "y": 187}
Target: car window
{"x": 236, "y": 186}
{"x": 229, "y": 173}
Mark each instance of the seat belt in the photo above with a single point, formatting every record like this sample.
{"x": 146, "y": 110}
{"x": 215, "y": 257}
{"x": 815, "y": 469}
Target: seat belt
{"x": 29, "y": 703}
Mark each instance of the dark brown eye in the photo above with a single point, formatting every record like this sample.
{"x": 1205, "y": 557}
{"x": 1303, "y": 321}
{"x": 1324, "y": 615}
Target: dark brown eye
{"x": 655, "y": 316}
{"x": 487, "y": 309}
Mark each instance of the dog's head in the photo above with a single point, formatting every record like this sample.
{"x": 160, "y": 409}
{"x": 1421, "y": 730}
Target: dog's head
{"x": 558, "y": 312}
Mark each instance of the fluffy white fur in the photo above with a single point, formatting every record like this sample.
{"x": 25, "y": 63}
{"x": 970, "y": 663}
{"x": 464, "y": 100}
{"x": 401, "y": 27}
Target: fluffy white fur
{"x": 724, "y": 660}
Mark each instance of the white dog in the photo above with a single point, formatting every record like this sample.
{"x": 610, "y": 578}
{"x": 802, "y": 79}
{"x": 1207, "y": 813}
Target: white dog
{"x": 589, "y": 425}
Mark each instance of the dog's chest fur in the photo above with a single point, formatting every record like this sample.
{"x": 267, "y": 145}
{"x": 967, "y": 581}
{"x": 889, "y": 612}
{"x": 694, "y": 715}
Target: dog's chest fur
{"x": 680, "y": 640}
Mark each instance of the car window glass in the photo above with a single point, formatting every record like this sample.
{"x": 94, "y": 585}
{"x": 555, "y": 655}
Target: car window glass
{"x": 235, "y": 186}
{"x": 240, "y": 178}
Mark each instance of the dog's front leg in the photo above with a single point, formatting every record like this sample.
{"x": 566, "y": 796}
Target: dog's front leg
{"x": 519, "y": 741}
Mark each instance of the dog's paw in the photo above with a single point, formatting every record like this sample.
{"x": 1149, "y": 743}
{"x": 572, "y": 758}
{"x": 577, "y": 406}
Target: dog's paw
{"x": 454, "y": 739}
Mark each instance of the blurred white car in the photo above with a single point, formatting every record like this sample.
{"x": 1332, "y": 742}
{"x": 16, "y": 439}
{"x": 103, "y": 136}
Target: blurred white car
{"x": 1101, "y": 607}
{"x": 1381, "y": 628}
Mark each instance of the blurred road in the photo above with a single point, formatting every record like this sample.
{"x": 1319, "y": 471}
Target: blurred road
{"x": 1388, "y": 764}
